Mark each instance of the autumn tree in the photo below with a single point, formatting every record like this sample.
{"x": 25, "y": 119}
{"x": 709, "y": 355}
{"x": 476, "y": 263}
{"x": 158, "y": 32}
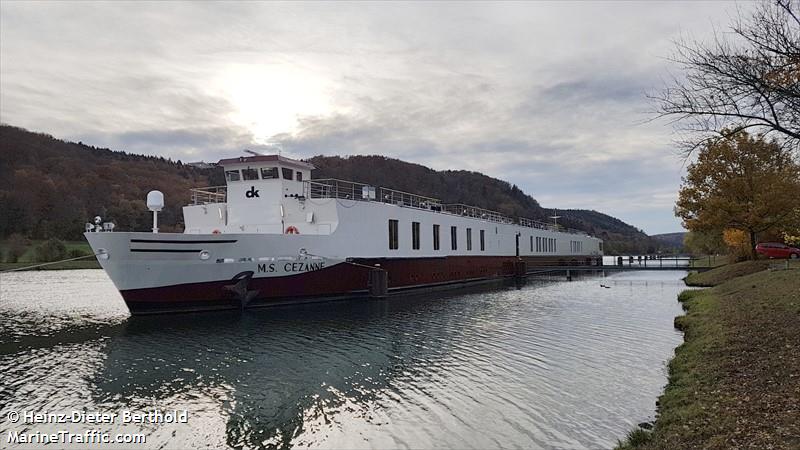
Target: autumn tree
{"x": 704, "y": 242}
{"x": 744, "y": 79}
{"x": 740, "y": 182}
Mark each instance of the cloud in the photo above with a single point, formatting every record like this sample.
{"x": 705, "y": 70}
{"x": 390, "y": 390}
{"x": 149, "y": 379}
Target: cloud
{"x": 546, "y": 95}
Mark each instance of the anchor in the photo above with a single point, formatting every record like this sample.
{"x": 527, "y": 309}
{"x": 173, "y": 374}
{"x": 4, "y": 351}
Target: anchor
{"x": 239, "y": 288}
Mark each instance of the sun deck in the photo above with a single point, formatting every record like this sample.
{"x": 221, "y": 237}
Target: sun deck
{"x": 331, "y": 188}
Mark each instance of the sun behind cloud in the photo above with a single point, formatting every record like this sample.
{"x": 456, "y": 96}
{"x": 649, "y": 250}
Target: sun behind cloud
{"x": 268, "y": 99}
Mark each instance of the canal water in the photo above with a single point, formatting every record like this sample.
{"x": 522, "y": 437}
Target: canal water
{"x": 551, "y": 364}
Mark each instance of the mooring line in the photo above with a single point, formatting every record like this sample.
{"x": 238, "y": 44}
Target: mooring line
{"x": 49, "y": 263}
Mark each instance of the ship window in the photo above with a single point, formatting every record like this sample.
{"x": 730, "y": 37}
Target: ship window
{"x": 269, "y": 173}
{"x": 415, "y": 235}
{"x": 531, "y": 244}
{"x": 436, "y": 237}
{"x": 469, "y": 239}
{"x": 393, "y": 235}
{"x": 299, "y": 176}
{"x": 287, "y": 173}
{"x": 538, "y": 244}
{"x": 249, "y": 174}
{"x": 453, "y": 238}
{"x": 483, "y": 240}
{"x": 232, "y": 175}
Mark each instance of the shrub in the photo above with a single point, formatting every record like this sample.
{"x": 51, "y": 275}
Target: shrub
{"x": 17, "y": 245}
{"x": 51, "y": 250}
{"x": 77, "y": 253}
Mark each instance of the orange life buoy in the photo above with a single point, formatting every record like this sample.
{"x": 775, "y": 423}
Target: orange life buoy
{"x": 292, "y": 230}
{"x": 215, "y": 232}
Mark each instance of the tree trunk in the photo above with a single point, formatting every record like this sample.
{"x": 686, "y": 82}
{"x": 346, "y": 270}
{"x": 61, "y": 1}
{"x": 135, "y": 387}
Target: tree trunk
{"x": 753, "y": 254}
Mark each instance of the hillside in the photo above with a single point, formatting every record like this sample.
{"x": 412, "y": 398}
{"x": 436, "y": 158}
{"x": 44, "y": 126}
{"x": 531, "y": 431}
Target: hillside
{"x": 674, "y": 240}
{"x": 51, "y": 188}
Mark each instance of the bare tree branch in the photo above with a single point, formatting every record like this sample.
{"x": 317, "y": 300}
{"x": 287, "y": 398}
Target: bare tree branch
{"x": 748, "y": 79}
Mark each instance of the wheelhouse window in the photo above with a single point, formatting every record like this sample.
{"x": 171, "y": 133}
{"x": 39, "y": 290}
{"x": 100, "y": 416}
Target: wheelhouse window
{"x": 436, "y": 237}
{"x": 249, "y": 174}
{"x": 415, "y": 235}
{"x": 483, "y": 240}
{"x": 287, "y": 173}
{"x": 453, "y": 238}
{"x": 299, "y": 176}
{"x": 269, "y": 173}
{"x": 232, "y": 175}
{"x": 469, "y": 239}
{"x": 393, "y": 235}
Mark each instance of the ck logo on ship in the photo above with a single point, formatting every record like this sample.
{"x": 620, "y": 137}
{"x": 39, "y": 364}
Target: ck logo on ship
{"x": 253, "y": 192}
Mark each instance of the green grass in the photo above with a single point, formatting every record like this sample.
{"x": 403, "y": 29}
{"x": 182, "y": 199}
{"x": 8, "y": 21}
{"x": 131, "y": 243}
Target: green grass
{"x": 728, "y": 272}
{"x": 710, "y": 261}
{"x": 88, "y": 263}
{"x": 29, "y": 257}
{"x": 734, "y": 383}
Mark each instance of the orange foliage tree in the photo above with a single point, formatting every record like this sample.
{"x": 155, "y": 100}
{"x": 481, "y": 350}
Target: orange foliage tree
{"x": 740, "y": 182}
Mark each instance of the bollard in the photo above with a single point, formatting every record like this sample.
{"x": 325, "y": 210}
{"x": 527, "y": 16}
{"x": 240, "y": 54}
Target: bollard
{"x": 378, "y": 283}
{"x": 520, "y": 269}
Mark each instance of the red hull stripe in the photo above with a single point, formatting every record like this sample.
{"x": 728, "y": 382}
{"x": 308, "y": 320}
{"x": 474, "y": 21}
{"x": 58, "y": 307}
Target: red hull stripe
{"x": 341, "y": 280}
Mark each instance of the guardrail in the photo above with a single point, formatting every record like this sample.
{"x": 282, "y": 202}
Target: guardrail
{"x": 350, "y": 190}
{"x": 460, "y": 209}
{"x": 211, "y": 194}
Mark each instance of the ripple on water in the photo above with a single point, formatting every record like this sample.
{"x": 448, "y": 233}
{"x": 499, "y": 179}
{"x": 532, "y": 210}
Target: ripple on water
{"x": 551, "y": 365}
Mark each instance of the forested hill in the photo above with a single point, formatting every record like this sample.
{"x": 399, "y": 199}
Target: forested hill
{"x": 50, "y": 188}
{"x": 473, "y": 188}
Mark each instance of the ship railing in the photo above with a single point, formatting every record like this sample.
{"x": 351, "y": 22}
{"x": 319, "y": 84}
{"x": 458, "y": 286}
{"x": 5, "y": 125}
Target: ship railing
{"x": 349, "y": 190}
{"x": 211, "y": 194}
{"x": 461, "y": 209}
{"x": 525, "y": 222}
{"x": 401, "y": 198}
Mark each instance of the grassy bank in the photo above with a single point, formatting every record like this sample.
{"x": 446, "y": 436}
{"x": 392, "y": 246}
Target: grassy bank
{"x": 735, "y": 382}
{"x": 29, "y": 256}
{"x": 89, "y": 263}
{"x": 710, "y": 261}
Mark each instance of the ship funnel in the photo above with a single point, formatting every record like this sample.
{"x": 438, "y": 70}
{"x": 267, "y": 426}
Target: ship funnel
{"x": 155, "y": 203}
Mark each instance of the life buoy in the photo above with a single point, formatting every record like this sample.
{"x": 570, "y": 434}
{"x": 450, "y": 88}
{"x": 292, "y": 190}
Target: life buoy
{"x": 216, "y": 232}
{"x": 292, "y": 230}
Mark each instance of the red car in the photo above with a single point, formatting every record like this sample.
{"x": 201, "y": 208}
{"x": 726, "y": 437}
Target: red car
{"x": 777, "y": 250}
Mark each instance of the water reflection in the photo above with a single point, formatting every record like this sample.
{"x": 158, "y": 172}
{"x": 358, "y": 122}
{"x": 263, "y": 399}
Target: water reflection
{"x": 290, "y": 368}
{"x": 549, "y": 365}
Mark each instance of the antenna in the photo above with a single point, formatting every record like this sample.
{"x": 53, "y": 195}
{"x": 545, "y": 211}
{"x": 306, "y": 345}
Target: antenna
{"x": 253, "y": 152}
{"x": 555, "y": 218}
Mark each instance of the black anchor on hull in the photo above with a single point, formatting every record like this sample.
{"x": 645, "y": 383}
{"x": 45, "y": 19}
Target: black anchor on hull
{"x": 239, "y": 288}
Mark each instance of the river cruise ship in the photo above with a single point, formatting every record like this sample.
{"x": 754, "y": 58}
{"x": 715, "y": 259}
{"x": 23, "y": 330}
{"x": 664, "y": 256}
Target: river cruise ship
{"x": 273, "y": 235}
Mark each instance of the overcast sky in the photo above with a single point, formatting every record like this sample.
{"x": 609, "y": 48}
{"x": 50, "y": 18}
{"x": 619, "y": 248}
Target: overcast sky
{"x": 549, "y": 96}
